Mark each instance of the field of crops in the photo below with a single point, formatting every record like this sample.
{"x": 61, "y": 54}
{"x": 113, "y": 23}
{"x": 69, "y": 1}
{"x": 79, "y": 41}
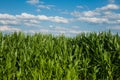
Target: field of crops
{"x": 89, "y": 56}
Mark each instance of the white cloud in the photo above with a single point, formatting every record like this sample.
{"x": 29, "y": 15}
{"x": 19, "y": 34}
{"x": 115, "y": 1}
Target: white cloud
{"x": 114, "y": 27}
{"x": 33, "y": 1}
{"x": 7, "y": 28}
{"x": 39, "y": 5}
{"x": 57, "y": 30}
{"x": 29, "y": 19}
{"x": 51, "y": 26}
{"x": 25, "y": 16}
{"x": 58, "y": 19}
{"x": 44, "y": 30}
{"x": 86, "y": 13}
{"x": 101, "y": 15}
{"x": 8, "y": 22}
{"x": 89, "y": 16}
{"x": 94, "y": 20}
{"x": 110, "y": 14}
{"x": 43, "y": 17}
{"x": 45, "y": 6}
{"x": 90, "y": 13}
{"x": 67, "y": 31}
{"x": 7, "y": 16}
{"x": 109, "y": 7}
{"x": 118, "y": 21}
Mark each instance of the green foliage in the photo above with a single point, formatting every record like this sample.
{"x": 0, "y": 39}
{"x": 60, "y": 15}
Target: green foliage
{"x": 46, "y": 57}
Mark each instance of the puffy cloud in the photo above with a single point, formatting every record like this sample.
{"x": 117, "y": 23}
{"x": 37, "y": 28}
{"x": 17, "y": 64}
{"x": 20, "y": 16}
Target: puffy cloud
{"x": 45, "y": 6}
{"x": 101, "y": 15}
{"x": 57, "y": 30}
{"x": 61, "y": 30}
{"x": 86, "y": 13}
{"x": 8, "y": 22}
{"x": 29, "y": 19}
{"x": 118, "y": 21}
{"x": 7, "y": 16}
{"x": 33, "y": 1}
{"x": 58, "y": 19}
{"x": 94, "y": 20}
{"x": 69, "y": 31}
{"x": 43, "y": 17}
{"x": 91, "y": 13}
{"x": 111, "y": 15}
{"x": 39, "y": 5}
{"x": 114, "y": 27}
{"x": 109, "y": 7}
{"x": 7, "y": 28}
{"x": 25, "y": 16}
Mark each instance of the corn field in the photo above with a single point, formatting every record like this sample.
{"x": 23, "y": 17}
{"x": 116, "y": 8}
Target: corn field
{"x": 39, "y": 56}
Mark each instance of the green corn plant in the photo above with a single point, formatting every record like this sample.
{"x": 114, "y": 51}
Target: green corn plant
{"x": 40, "y": 56}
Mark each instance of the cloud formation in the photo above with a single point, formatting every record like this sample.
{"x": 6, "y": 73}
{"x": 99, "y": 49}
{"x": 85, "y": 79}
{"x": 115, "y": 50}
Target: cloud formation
{"x": 114, "y": 27}
{"x": 57, "y": 30}
{"x": 101, "y": 15}
{"x": 7, "y": 28}
{"x": 108, "y": 7}
{"x": 94, "y": 20}
{"x": 39, "y": 5}
{"x": 33, "y": 2}
{"x": 45, "y": 6}
{"x": 25, "y": 18}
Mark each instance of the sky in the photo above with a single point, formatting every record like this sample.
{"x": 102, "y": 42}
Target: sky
{"x": 69, "y": 17}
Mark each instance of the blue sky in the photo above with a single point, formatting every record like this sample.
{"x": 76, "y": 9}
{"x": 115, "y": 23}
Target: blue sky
{"x": 69, "y": 17}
